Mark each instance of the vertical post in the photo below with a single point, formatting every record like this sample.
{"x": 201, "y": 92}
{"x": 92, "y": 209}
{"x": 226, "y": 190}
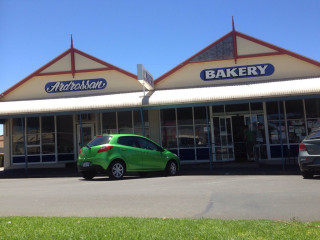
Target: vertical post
{"x": 142, "y": 122}
{"x": 24, "y": 146}
{"x": 81, "y": 132}
{"x": 280, "y": 132}
{"x": 209, "y": 139}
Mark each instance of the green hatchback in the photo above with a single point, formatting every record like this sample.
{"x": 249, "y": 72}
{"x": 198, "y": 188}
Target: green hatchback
{"x": 118, "y": 154}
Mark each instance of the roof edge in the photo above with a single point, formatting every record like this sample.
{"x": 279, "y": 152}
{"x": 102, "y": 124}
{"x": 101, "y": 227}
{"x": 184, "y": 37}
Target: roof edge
{"x": 56, "y": 59}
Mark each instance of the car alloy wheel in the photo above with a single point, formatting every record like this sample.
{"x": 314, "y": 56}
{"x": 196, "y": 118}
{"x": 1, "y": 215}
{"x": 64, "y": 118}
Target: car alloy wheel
{"x": 171, "y": 168}
{"x": 117, "y": 170}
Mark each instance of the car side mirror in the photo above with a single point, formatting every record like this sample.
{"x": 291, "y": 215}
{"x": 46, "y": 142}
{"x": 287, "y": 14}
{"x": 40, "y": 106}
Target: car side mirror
{"x": 160, "y": 149}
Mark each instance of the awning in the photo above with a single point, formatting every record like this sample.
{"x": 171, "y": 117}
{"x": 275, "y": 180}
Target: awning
{"x": 161, "y": 98}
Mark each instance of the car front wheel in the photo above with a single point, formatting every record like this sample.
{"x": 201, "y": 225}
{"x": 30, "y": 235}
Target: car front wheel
{"x": 117, "y": 170}
{"x": 307, "y": 175}
{"x": 88, "y": 175}
{"x": 172, "y": 168}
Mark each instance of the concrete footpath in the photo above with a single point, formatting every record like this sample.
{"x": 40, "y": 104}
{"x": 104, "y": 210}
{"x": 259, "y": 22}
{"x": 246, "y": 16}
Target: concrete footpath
{"x": 187, "y": 169}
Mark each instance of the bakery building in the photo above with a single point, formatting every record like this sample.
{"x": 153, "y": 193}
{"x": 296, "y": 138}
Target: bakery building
{"x": 200, "y": 109}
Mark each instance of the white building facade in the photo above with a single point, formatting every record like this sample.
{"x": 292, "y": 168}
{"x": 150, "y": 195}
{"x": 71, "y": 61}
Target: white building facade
{"x": 198, "y": 110}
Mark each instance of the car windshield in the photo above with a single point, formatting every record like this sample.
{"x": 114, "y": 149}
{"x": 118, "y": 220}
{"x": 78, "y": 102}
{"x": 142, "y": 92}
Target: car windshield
{"x": 99, "y": 140}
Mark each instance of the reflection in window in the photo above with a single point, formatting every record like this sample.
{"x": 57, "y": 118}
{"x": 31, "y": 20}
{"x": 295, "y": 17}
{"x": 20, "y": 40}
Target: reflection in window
{"x": 65, "y": 134}
{"x": 272, "y": 110}
{"x": 168, "y": 117}
{"x": 17, "y": 137}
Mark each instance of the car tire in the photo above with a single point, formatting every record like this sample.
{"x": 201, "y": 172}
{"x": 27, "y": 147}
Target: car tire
{"x": 307, "y": 175}
{"x": 117, "y": 170}
{"x": 171, "y": 168}
{"x": 88, "y": 175}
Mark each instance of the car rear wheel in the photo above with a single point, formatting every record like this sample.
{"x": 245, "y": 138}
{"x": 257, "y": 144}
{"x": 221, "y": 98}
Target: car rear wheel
{"x": 88, "y": 175}
{"x": 117, "y": 170}
{"x": 172, "y": 168}
{"x": 307, "y": 175}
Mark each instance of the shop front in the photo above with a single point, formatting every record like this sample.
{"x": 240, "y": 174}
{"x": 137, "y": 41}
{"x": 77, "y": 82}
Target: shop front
{"x": 237, "y": 100}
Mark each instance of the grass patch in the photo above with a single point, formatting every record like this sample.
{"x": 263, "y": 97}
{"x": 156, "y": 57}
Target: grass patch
{"x": 153, "y": 228}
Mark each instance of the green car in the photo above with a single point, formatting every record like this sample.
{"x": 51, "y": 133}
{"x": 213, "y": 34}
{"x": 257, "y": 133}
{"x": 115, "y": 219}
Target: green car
{"x": 118, "y": 154}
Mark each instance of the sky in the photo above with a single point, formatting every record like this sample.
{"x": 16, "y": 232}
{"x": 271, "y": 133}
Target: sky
{"x": 158, "y": 34}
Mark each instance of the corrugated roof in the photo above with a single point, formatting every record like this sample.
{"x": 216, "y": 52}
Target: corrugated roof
{"x": 158, "y": 98}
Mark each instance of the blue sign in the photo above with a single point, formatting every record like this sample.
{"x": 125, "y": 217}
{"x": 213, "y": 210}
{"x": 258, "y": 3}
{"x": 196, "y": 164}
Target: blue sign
{"x": 76, "y": 85}
{"x": 258, "y": 70}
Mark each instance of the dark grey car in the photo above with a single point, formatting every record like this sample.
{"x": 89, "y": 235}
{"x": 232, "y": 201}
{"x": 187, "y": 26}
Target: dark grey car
{"x": 309, "y": 155}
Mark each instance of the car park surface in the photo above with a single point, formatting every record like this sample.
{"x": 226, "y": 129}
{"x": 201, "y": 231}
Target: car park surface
{"x": 280, "y": 197}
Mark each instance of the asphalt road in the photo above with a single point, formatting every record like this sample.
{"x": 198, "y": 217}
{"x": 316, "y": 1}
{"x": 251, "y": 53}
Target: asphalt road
{"x": 224, "y": 197}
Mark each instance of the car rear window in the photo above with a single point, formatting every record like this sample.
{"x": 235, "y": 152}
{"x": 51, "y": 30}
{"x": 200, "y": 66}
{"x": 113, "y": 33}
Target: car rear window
{"x": 99, "y": 140}
{"x": 314, "y": 135}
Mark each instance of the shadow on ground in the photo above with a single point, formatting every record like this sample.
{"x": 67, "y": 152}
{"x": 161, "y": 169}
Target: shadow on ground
{"x": 189, "y": 169}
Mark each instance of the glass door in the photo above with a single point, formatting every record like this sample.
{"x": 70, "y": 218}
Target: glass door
{"x": 223, "y": 139}
{"x": 87, "y": 132}
{"x": 255, "y": 123}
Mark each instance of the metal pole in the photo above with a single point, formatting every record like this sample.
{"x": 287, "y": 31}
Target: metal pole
{"x": 142, "y": 122}
{"x": 24, "y": 146}
{"x": 209, "y": 139}
{"x": 280, "y": 132}
{"x": 81, "y": 132}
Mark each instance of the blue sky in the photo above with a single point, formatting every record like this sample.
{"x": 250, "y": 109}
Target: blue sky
{"x": 158, "y": 34}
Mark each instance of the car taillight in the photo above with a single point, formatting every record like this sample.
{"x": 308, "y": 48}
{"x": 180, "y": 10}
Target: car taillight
{"x": 302, "y": 147}
{"x": 105, "y": 148}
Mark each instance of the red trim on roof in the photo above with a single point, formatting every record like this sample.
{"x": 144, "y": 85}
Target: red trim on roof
{"x": 72, "y": 71}
{"x": 235, "y": 50}
{"x": 110, "y": 66}
{"x": 279, "y": 51}
{"x": 187, "y": 61}
{"x": 73, "y": 65}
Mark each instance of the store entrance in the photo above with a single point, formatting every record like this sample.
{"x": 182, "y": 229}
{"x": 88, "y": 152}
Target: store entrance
{"x": 87, "y": 133}
{"x": 229, "y": 137}
{"x": 238, "y": 136}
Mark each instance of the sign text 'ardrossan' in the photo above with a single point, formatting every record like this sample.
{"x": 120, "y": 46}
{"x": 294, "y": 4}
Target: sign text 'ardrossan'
{"x": 76, "y": 85}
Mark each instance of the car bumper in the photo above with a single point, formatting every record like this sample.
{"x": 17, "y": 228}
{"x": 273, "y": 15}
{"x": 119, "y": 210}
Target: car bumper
{"x": 309, "y": 164}
{"x": 92, "y": 168}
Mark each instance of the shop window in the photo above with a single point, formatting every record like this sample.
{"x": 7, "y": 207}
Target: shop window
{"x": 294, "y": 109}
{"x": 17, "y": 137}
{"x": 185, "y": 128}
{"x": 168, "y": 117}
{"x": 33, "y": 131}
{"x": 256, "y": 106}
{"x": 48, "y": 135}
{"x": 138, "y": 126}
{"x": 138, "y": 120}
{"x": 232, "y": 108}
{"x": 277, "y": 132}
{"x": 184, "y": 116}
{"x": 218, "y": 110}
{"x": 65, "y": 136}
{"x": 272, "y": 110}
{"x": 109, "y": 122}
{"x": 125, "y": 122}
{"x": 312, "y": 108}
{"x": 200, "y": 115}
{"x": 295, "y": 121}
{"x": 168, "y": 129}
{"x": 201, "y": 135}
{"x": 201, "y": 128}
{"x": 186, "y": 137}
{"x": 313, "y": 113}
{"x": 169, "y": 137}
